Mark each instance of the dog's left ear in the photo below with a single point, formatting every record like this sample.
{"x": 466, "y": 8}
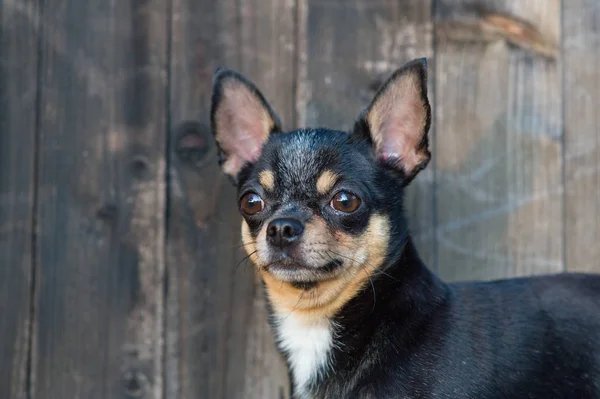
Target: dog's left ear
{"x": 241, "y": 121}
{"x": 397, "y": 120}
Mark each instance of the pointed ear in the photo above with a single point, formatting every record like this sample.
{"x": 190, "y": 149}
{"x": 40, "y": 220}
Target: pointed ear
{"x": 397, "y": 120}
{"x": 241, "y": 120}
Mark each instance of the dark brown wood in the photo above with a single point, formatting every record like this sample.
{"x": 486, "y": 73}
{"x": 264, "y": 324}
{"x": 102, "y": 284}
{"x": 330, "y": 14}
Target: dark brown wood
{"x": 218, "y": 341}
{"x": 18, "y": 90}
{"x": 581, "y": 51}
{"x": 498, "y": 154}
{"x": 99, "y": 299}
{"x": 349, "y": 48}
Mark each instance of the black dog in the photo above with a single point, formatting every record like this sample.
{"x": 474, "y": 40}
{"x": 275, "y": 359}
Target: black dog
{"x": 355, "y": 311}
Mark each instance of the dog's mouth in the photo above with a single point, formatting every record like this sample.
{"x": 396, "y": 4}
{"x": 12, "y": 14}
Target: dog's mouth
{"x": 297, "y": 273}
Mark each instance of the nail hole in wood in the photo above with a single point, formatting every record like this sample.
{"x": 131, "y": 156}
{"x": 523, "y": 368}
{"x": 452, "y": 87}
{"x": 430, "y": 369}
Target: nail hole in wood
{"x": 108, "y": 213}
{"x": 134, "y": 384}
{"x": 140, "y": 167}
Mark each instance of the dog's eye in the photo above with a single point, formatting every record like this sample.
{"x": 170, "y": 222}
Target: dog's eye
{"x": 345, "y": 202}
{"x": 251, "y": 204}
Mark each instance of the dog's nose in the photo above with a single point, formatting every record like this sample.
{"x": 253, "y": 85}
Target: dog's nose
{"x": 283, "y": 232}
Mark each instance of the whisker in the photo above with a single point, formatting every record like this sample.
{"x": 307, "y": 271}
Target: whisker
{"x": 296, "y": 305}
{"x": 373, "y": 288}
{"x": 367, "y": 275}
{"x": 245, "y": 258}
{"x": 236, "y": 247}
{"x": 376, "y": 272}
{"x": 345, "y": 269}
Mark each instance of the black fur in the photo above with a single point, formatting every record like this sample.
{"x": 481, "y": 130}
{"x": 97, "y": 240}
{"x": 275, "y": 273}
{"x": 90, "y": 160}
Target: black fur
{"x": 520, "y": 338}
{"x": 407, "y": 334}
{"x": 297, "y": 171}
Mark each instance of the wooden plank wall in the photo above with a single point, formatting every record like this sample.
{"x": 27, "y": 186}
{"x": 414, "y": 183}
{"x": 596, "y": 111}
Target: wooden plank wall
{"x": 121, "y": 268}
{"x": 218, "y": 344}
{"x": 98, "y": 303}
{"x": 498, "y": 153}
{"x": 581, "y": 55}
{"x": 18, "y": 129}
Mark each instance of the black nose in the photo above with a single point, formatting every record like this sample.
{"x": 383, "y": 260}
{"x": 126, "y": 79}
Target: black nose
{"x": 282, "y": 232}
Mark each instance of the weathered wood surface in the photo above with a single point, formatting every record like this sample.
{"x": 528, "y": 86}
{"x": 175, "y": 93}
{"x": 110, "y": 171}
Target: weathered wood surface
{"x": 120, "y": 271}
{"x": 581, "y": 52}
{"x": 99, "y": 276}
{"x": 218, "y": 341}
{"x": 18, "y": 96}
{"x": 498, "y": 150}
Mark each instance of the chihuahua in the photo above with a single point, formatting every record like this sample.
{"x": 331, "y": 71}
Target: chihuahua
{"x": 354, "y": 310}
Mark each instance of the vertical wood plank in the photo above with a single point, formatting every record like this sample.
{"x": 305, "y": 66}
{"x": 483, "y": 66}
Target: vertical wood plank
{"x": 349, "y": 49}
{"x": 218, "y": 342}
{"x": 18, "y": 90}
{"x": 498, "y": 152}
{"x": 581, "y": 52}
{"x": 102, "y": 200}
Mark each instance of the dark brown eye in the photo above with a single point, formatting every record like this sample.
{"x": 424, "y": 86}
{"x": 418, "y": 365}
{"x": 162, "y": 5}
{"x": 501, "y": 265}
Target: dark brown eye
{"x": 345, "y": 202}
{"x": 251, "y": 204}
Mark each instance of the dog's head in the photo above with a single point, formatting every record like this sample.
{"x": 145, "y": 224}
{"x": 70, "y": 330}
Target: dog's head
{"x": 322, "y": 208}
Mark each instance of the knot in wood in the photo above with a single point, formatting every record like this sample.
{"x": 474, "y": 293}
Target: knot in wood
{"x": 194, "y": 143}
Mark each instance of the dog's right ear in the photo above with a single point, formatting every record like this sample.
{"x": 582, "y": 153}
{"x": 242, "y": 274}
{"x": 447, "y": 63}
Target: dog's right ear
{"x": 241, "y": 121}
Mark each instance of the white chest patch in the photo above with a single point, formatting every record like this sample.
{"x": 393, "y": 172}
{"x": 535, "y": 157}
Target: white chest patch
{"x": 308, "y": 344}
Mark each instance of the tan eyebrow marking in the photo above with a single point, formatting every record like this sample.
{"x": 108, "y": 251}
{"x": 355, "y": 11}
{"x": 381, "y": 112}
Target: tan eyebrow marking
{"x": 326, "y": 181}
{"x": 266, "y": 178}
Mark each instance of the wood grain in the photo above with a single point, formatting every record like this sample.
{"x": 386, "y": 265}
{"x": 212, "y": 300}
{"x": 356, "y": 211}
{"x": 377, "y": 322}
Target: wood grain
{"x": 218, "y": 341}
{"x": 18, "y": 95}
{"x": 99, "y": 299}
{"x": 349, "y": 48}
{"x": 498, "y": 150}
{"x": 581, "y": 52}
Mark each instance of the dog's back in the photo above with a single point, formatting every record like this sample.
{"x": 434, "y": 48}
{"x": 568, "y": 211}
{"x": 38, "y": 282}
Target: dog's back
{"x": 535, "y": 337}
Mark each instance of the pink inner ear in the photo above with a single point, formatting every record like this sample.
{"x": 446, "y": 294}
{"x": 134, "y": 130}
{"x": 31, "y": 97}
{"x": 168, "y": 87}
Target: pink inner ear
{"x": 400, "y": 137}
{"x": 243, "y": 123}
{"x": 397, "y": 121}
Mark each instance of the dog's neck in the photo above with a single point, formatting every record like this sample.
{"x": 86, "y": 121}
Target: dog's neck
{"x": 318, "y": 347}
